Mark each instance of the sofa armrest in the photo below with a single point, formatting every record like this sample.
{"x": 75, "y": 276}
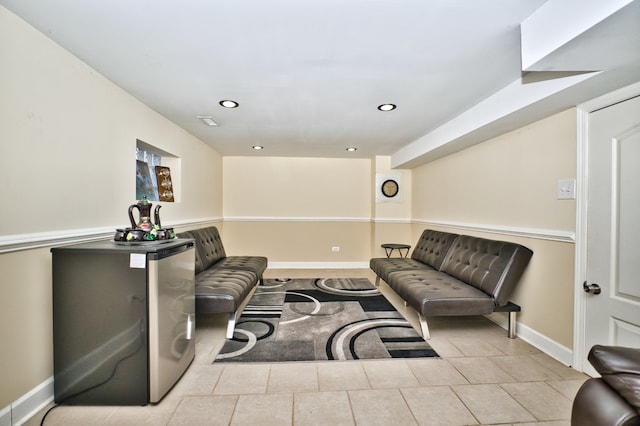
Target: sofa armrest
{"x": 620, "y": 369}
{"x": 597, "y": 404}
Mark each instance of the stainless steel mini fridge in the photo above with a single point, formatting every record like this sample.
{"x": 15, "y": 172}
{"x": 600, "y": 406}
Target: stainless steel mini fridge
{"x": 123, "y": 320}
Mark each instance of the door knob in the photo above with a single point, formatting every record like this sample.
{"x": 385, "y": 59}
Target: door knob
{"x": 591, "y": 288}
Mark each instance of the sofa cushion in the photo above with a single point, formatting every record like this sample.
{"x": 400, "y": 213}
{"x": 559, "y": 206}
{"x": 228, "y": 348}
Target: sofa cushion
{"x": 222, "y": 291}
{"x": 209, "y": 246}
{"x": 432, "y": 247}
{"x": 383, "y": 266}
{"x": 429, "y": 253}
{"x": 620, "y": 369}
{"x": 255, "y": 264}
{"x": 433, "y": 293}
{"x": 495, "y": 267}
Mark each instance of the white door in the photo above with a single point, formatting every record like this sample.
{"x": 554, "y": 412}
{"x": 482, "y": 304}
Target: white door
{"x": 612, "y": 317}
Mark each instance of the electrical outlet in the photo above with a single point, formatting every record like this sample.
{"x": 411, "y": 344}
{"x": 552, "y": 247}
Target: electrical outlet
{"x": 334, "y": 248}
{"x": 567, "y": 189}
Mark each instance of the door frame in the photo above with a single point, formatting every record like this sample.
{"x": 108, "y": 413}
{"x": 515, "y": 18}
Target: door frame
{"x": 579, "y": 313}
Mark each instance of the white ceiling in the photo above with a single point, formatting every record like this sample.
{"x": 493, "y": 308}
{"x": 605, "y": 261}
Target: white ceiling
{"x": 309, "y": 74}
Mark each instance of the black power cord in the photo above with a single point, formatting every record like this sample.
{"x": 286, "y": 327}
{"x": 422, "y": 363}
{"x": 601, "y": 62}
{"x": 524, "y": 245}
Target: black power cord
{"x": 113, "y": 373}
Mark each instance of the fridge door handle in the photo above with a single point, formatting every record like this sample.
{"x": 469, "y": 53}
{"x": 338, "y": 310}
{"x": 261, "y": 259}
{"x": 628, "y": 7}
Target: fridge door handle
{"x": 190, "y": 326}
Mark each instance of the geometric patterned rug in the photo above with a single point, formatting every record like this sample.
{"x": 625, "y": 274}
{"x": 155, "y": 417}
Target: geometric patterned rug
{"x": 321, "y": 319}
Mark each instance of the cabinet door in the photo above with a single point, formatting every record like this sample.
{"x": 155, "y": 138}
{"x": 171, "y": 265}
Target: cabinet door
{"x": 99, "y": 329}
{"x": 171, "y": 320}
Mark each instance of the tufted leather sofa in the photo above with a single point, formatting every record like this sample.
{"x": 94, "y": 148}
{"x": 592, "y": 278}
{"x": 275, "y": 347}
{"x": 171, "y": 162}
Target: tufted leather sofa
{"x": 454, "y": 275}
{"x": 224, "y": 284}
{"x": 614, "y": 398}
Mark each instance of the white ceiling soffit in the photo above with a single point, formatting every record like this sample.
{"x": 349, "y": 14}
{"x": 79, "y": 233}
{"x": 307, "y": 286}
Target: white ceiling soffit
{"x": 581, "y": 35}
{"x": 485, "y": 120}
{"x": 571, "y": 50}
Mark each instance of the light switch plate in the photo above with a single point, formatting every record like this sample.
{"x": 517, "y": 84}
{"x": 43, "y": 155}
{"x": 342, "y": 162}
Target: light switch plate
{"x": 567, "y": 189}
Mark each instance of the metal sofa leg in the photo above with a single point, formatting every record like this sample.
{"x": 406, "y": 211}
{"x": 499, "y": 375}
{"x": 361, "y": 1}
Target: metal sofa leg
{"x": 231, "y": 325}
{"x": 424, "y": 327}
{"x": 377, "y": 281}
{"x": 511, "y": 329}
{"x": 513, "y": 310}
{"x": 233, "y": 317}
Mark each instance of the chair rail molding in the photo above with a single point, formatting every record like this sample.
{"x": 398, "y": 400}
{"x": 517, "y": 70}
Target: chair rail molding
{"x": 392, "y": 220}
{"x": 18, "y": 242}
{"x": 294, "y": 219}
{"x": 534, "y": 233}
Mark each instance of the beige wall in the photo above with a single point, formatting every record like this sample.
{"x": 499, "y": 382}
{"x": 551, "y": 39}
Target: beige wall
{"x": 509, "y": 183}
{"x": 304, "y": 242}
{"x": 296, "y": 187}
{"x": 67, "y": 163}
{"x": 297, "y": 209}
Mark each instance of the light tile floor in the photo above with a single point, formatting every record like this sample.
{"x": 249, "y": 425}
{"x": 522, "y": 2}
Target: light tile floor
{"x": 483, "y": 377}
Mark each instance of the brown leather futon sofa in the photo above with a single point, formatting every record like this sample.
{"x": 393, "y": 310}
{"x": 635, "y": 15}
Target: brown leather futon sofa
{"x": 453, "y": 275}
{"x": 224, "y": 284}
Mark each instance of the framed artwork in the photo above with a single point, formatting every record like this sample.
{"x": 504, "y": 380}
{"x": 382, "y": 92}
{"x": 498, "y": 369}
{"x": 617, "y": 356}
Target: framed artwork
{"x": 144, "y": 182}
{"x": 165, "y": 186}
{"x": 388, "y": 187}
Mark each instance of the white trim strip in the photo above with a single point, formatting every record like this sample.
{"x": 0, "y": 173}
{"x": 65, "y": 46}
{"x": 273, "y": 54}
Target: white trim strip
{"x": 11, "y": 243}
{"x": 45, "y": 239}
{"x": 319, "y": 265}
{"x": 294, "y": 219}
{"x": 393, "y": 220}
{"x": 32, "y": 402}
{"x": 5, "y": 416}
{"x": 579, "y": 331}
{"x": 550, "y": 347}
{"x": 315, "y": 219}
{"x": 535, "y": 233}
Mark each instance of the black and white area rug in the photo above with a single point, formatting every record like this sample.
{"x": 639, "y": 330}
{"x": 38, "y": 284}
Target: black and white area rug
{"x": 321, "y": 319}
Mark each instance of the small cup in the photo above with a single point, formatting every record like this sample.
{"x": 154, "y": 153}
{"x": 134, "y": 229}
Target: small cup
{"x": 135, "y": 235}
{"x": 120, "y": 235}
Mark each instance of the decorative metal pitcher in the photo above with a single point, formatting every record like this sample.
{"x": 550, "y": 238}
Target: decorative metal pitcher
{"x": 144, "y": 212}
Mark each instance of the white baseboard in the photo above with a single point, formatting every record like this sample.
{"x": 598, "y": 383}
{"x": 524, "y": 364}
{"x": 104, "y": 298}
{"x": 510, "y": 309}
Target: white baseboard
{"x": 27, "y": 405}
{"x": 318, "y": 265}
{"x": 5, "y": 416}
{"x": 552, "y": 348}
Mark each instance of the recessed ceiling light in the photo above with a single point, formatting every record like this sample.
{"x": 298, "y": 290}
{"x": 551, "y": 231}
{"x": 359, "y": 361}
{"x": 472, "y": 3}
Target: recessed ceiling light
{"x": 352, "y": 149}
{"x": 257, "y": 147}
{"x": 207, "y": 119}
{"x": 229, "y": 104}
{"x": 387, "y": 107}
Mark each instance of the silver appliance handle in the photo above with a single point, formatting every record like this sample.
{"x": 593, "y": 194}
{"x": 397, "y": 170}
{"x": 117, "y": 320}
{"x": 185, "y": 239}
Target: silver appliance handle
{"x": 191, "y": 325}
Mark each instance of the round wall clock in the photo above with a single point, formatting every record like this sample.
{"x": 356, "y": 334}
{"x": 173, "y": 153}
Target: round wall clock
{"x": 390, "y": 188}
